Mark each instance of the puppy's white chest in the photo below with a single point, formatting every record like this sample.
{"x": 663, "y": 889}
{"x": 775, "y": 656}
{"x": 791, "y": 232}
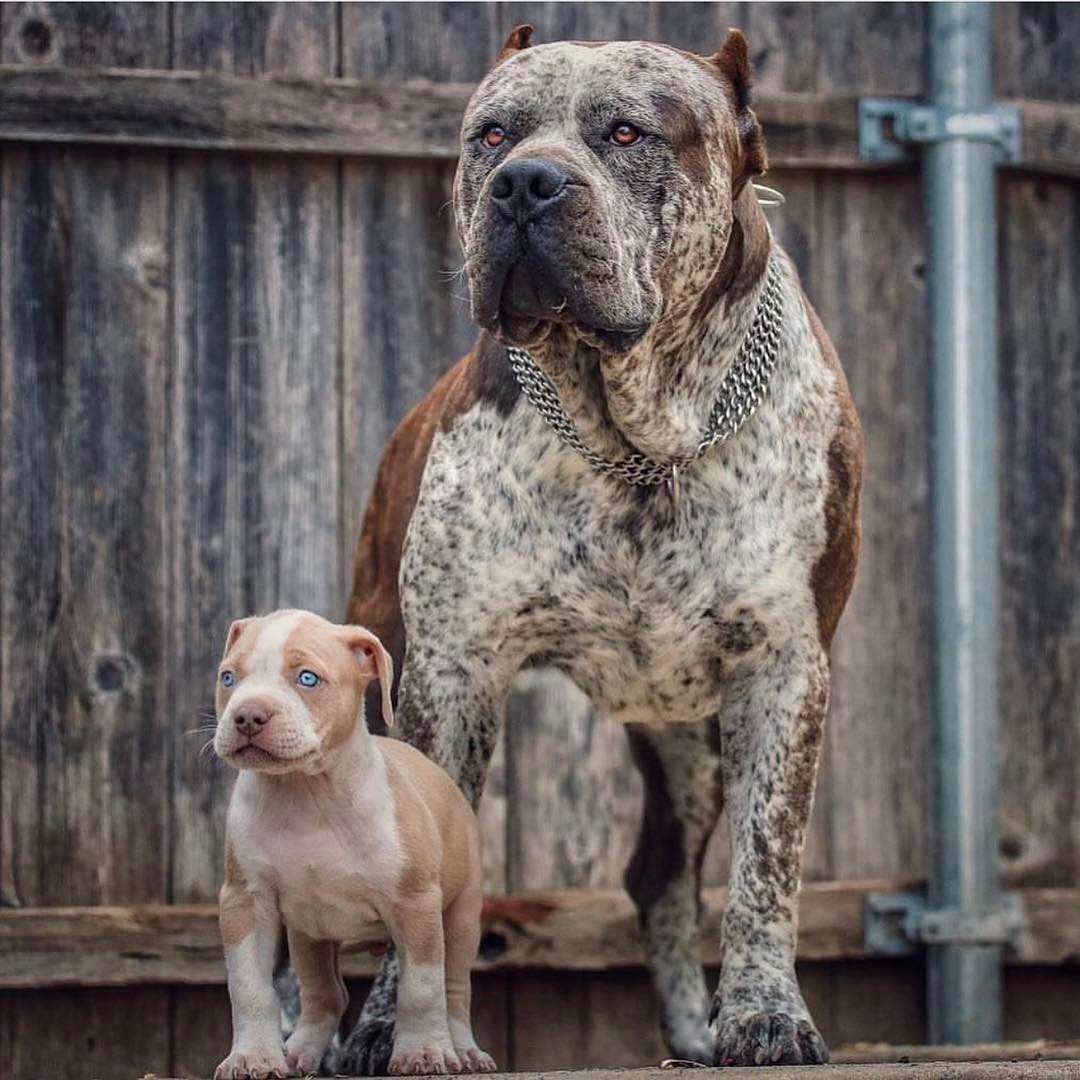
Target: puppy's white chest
{"x": 330, "y": 890}
{"x": 333, "y": 868}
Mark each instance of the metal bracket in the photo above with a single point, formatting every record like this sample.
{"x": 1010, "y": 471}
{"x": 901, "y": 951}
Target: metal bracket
{"x": 898, "y": 924}
{"x": 890, "y": 128}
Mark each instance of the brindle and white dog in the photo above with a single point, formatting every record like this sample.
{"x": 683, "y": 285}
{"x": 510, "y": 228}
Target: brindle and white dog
{"x": 604, "y": 204}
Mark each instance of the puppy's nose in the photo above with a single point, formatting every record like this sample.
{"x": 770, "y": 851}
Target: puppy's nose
{"x": 251, "y": 717}
{"x": 527, "y": 187}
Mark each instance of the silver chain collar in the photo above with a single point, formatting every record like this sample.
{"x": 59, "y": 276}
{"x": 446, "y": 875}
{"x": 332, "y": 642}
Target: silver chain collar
{"x": 741, "y": 392}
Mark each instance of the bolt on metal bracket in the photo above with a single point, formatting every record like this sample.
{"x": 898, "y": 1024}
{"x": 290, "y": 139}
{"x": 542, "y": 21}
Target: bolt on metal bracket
{"x": 899, "y": 924}
{"x": 890, "y": 128}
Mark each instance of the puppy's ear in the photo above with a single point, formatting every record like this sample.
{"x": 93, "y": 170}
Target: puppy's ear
{"x": 235, "y": 630}
{"x": 519, "y": 38}
{"x": 375, "y": 662}
{"x": 733, "y": 62}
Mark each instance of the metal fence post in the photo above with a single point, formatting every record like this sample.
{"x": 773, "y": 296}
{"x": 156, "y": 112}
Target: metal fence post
{"x": 964, "y": 978}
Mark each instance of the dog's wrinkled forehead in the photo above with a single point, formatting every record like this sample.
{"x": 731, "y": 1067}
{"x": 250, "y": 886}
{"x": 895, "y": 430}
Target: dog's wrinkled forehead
{"x": 571, "y": 84}
{"x": 272, "y": 645}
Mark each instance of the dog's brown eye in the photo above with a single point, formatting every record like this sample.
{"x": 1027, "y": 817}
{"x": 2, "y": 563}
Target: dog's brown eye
{"x": 493, "y": 136}
{"x": 625, "y": 135}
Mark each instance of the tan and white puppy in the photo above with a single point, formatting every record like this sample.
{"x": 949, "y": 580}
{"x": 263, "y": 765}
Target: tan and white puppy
{"x": 342, "y": 836}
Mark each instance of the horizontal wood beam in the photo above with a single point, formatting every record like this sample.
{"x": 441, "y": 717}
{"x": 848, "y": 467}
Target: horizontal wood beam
{"x": 579, "y": 930}
{"x": 417, "y": 119}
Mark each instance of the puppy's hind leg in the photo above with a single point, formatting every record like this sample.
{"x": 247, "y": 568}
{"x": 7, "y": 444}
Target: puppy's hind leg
{"x": 422, "y": 1042}
{"x": 461, "y": 927}
{"x": 322, "y": 1001}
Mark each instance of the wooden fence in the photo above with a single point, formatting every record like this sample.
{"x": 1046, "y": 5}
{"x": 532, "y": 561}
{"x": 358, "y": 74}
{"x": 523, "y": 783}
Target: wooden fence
{"x": 225, "y": 273}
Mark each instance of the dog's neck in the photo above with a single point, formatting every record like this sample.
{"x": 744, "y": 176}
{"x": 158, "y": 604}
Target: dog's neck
{"x": 657, "y": 397}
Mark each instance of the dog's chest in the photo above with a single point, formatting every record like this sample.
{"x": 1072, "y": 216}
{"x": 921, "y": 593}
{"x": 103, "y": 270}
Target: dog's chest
{"x": 650, "y": 601}
{"x": 331, "y": 872}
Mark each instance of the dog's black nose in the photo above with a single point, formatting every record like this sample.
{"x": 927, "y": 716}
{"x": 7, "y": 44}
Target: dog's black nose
{"x": 252, "y": 717}
{"x": 527, "y": 187}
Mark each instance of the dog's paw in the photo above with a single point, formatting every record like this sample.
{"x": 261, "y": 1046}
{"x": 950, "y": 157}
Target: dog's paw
{"x": 305, "y": 1049}
{"x": 423, "y": 1057}
{"x": 258, "y": 1064}
{"x": 474, "y": 1060}
{"x": 367, "y": 1050}
{"x": 768, "y": 1038}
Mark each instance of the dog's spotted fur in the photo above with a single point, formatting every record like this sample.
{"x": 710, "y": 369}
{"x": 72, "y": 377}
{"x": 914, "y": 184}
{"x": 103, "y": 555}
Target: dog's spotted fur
{"x": 702, "y": 623}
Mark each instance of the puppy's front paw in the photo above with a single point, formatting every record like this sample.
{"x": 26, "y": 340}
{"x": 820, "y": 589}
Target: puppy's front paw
{"x": 423, "y": 1058}
{"x": 474, "y": 1060}
{"x": 257, "y": 1064}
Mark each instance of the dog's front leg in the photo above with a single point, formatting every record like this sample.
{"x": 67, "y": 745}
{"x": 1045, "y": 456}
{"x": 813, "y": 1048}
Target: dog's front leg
{"x": 771, "y": 733}
{"x": 450, "y": 708}
{"x": 250, "y": 929}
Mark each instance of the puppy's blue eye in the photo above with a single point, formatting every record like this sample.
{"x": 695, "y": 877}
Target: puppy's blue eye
{"x": 228, "y": 679}
{"x": 308, "y": 679}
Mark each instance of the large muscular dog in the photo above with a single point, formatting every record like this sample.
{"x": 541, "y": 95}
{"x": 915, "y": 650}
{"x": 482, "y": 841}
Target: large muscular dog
{"x": 610, "y": 229}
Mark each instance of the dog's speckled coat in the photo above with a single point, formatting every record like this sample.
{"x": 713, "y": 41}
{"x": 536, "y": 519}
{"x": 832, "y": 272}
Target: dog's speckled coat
{"x": 702, "y": 623}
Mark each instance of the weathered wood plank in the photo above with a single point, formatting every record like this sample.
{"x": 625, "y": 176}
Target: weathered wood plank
{"x": 100, "y": 1032}
{"x": 600, "y": 1019}
{"x": 569, "y": 930}
{"x": 83, "y": 765}
{"x": 1035, "y": 50}
{"x": 83, "y": 804}
{"x": 555, "y": 21}
{"x": 86, "y": 35}
{"x": 447, "y": 42}
{"x": 699, "y": 27}
{"x": 871, "y": 300}
{"x": 1039, "y": 420}
{"x": 876, "y": 49}
{"x": 255, "y": 464}
{"x": 203, "y": 111}
{"x": 366, "y": 118}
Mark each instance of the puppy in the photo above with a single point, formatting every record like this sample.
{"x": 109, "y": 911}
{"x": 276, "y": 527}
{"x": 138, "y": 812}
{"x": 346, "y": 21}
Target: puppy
{"x": 341, "y": 836}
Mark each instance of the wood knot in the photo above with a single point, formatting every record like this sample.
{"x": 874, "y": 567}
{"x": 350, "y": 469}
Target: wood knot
{"x": 35, "y": 39}
{"x": 112, "y": 673}
{"x": 148, "y": 266}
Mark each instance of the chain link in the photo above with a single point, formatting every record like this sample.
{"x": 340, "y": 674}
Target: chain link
{"x": 741, "y": 392}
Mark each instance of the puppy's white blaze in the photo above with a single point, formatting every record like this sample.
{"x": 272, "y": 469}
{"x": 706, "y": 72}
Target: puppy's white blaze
{"x": 268, "y": 656}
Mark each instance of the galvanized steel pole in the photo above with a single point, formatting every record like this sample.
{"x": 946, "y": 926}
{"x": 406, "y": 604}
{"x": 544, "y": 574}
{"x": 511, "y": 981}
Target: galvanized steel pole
{"x": 964, "y": 978}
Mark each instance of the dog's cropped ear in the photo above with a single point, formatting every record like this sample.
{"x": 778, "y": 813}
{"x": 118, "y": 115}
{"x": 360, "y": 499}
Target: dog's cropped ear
{"x": 733, "y": 62}
{"x": 375, "y": 662}
{"x": 519, "y": 38}
{"x": 237, "y": 627}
